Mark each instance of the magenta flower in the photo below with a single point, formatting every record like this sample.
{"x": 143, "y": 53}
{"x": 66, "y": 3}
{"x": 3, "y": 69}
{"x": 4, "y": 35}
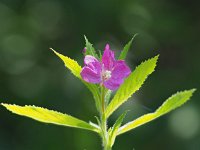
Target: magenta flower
{"x": 108, "y": 72}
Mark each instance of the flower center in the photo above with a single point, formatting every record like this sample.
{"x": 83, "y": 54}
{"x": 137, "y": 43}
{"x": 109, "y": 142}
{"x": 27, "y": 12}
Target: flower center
{"x": 106, "y": 75}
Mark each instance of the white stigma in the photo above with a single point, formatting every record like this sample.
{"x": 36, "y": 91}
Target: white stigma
{"x": 107, "y": 74}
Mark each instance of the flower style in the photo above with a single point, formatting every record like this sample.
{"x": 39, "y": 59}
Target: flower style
{"x": 108, "y": 72}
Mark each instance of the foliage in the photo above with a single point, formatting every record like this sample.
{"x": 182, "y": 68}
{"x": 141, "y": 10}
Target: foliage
{"x": 104, "y": 106}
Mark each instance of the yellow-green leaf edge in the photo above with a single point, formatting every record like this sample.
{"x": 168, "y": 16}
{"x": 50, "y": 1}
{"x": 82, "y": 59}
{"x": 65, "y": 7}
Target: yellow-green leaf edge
{"x": 75, "y": 68}
{"x": 170, "y": 104}
{"x": 49, "y": 116}
{"x": 132, "y": 84}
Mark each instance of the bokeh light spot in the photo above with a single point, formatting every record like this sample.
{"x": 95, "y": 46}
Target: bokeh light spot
{"x": 17, "y": 54}
{"x": 185, "y": 122}
{"x": 46, "y": 15}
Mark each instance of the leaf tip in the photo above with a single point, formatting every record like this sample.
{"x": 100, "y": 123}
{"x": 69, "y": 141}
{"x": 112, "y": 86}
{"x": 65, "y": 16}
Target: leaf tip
{"x": 54, "y": 51}
{"x": 191, "y": 91}
{"x": 157, "y": 56}
{"x": 58, "y": 54}
{"x": 136, "y": 34}
{"x": 153, "y": 59}
{"x": 51, "y": 49}
{"x": 8, "y": 106}
{"x": 86, "y": 40}
{"x": 5, "y": 105}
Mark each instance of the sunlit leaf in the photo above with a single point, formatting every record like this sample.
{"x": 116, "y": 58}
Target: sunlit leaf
{"x": 71, "y": 64}
{"x": 114, "y": 129}
{"x": 75, "y": 68}
{"x": 49, "y": 116}
{"x": 131, "y": 84}
{"x": 126, "y": 48}
{"x": 170, "y": 104}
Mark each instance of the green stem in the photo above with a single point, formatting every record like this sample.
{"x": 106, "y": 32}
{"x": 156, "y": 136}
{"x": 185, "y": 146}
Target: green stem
{"x": 105, "y": 136}
{"x": 103, "y": 99}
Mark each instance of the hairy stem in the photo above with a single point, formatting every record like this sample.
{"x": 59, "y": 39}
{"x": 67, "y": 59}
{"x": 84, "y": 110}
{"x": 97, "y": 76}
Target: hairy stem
{"x": 105, "y": 136}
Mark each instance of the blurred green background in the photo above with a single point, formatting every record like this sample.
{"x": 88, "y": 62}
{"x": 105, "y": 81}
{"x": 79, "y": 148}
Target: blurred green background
{"x": 31, "y": 74}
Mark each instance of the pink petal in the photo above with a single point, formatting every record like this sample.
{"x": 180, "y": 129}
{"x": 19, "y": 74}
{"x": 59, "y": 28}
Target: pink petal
{"x": 91, "y": 74}
{"x": 112, "y": 83}
{"x": 89, "y": 59}
{"x": 108, "y": 58}
{"x": 121, "y": 70}
{"x": 119, "y": 73}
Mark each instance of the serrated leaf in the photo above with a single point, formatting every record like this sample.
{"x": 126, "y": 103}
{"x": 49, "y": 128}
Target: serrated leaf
{"x": 114, "y": 130}
{"x": 89, "y": 48}
{"x": 75, "y": 68}
{"x": 170, "y": 104}
{"x": 131, "y": 84}
{"x": 71, "y": 64}
{"x": 49, "y": 116}
{"x": 126, "y": 48}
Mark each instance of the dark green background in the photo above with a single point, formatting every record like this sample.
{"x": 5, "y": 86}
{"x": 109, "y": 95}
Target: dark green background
{"x": 31, "y": 74}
